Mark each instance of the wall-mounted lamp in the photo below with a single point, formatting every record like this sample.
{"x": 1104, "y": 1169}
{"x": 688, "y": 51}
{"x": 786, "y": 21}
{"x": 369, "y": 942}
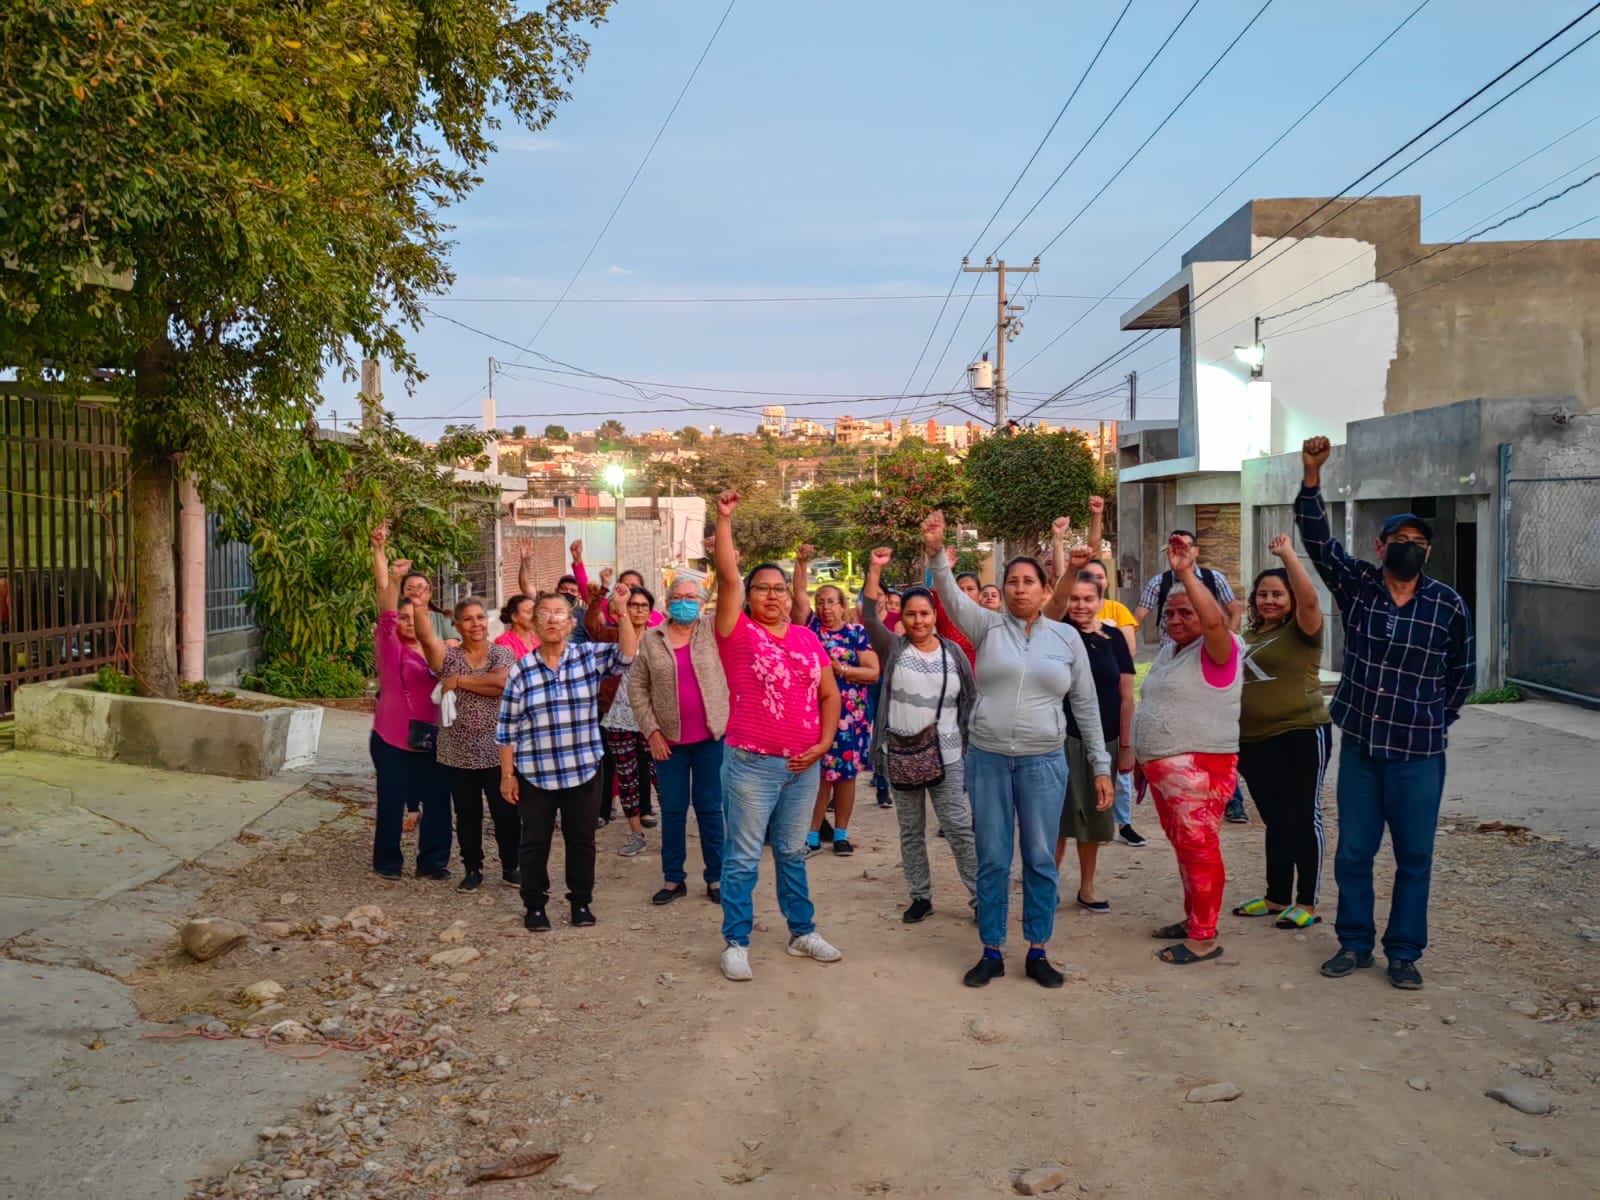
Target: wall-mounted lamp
{"x": 1253, "y": 356}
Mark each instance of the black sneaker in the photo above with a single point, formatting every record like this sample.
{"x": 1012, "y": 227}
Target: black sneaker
{"x": 668, "y": 894}
{"x": 1403, "y": 974}
{"x": 843, "y": 848}
{"x": 714, "y": 893}
{"x": 1345, "y": 962}
{"x": 470, "y": 882}
{"x": 1129, "y": 836}
{"x": 582, "y": 917}
{"x": 920, "y": 910}
{"x": 397, "y": 873}
{"x": 441, "y": 874}
{"x": 810, "y": 849}
{"x": 987, "y": 969}
{"x": 512, "y": 878}
{"x": 535, "y": 921}
{"x": 1042, "y": 973}
{"x": 649, "y": 822}
{"x": 1235, "y": 813}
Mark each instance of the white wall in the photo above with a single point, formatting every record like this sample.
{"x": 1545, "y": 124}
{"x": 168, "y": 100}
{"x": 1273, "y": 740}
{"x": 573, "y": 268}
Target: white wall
{"x": 1325, "y": 366}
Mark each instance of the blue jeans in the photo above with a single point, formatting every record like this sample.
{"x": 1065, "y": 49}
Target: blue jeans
{"x": 409, "y": 780}
{"x": 763, "y": 801}
{"x": 1403, "y": 794}
{"x": 1122, "y": 810}
{"x": 692, "y": 776}
{"x": 1017, "y": 796}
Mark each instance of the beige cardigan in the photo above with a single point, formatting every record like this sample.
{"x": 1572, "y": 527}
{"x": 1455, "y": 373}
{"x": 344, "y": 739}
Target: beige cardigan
{"x": 653, "y": 681}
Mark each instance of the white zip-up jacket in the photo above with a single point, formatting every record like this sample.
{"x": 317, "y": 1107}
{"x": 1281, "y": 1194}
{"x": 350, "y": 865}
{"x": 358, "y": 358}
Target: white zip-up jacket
{"x": 1023, "y": 676}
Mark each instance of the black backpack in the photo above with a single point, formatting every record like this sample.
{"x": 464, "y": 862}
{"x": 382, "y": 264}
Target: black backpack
{"x": 1207, "y": 576}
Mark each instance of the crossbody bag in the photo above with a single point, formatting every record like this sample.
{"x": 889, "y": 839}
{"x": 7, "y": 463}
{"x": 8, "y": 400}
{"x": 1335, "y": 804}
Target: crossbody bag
{"x": 915, "y": 759}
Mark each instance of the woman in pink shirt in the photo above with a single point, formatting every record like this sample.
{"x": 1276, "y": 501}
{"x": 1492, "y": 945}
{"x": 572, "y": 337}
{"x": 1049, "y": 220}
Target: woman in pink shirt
{"x": 517, "y": 617}
{"x": 783, "y": 712}
{"x": 404, "y": 729}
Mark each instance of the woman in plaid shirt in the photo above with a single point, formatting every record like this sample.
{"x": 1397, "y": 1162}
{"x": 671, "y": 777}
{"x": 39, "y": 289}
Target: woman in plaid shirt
{"x": 550, "y": 750}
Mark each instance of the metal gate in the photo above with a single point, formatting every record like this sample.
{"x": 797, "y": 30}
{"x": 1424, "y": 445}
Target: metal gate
{"x": 1550, "y": 582}
{"x": 65, "y": 560}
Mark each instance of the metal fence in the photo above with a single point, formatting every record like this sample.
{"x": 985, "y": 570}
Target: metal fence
{"x": 228, "y": 578}
{"x": 65, "y": 561}
{"x": 1550, "y": 581}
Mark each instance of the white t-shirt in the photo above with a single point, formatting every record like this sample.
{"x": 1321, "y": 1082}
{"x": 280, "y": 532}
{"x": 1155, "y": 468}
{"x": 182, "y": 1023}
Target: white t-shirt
{"x": 914, "y": 697}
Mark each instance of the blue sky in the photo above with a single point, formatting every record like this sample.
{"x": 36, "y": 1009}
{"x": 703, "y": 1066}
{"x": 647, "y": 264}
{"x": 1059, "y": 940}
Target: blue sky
{"x": 834, "y": 149}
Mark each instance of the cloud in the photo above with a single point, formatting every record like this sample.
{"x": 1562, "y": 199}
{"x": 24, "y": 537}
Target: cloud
{"x": 618, "y": 271}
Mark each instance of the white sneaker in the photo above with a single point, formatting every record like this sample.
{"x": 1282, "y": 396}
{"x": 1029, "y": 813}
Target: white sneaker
{"x": 736, "y": 963}
{"x": 813, "y": 945}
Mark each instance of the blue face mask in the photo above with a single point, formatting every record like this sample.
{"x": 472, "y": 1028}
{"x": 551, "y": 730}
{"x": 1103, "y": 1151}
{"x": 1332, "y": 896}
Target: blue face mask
{"x": 684, "y": 612}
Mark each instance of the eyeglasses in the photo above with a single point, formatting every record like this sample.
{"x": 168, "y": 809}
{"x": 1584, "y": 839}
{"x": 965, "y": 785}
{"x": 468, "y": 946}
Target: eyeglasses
{"x": 638, "y": 607}
{"x": 768, "y": 589}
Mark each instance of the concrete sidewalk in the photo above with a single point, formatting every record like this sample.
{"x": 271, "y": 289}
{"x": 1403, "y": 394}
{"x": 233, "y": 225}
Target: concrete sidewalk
{"x": 99, "y": 864}
{"x": 1533, "y": 763}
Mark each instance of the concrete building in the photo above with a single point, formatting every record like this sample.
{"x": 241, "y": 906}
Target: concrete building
{"x": 1294, "y": 322}
{"x": 775, "y": 420}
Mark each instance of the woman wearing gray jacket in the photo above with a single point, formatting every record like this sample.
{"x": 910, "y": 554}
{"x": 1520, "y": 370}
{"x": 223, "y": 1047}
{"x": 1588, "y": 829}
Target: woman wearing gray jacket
{"x": 928, "y": 694}
{"x": 1017, "y": 763}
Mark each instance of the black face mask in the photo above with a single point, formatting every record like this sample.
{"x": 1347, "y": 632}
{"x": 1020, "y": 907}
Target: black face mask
{"x": 1404, "y": 560}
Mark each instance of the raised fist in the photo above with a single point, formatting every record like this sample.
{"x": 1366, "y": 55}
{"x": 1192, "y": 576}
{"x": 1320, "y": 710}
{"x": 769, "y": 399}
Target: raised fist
{"x": 1060, "y": 526}
{"x": 726, "y": 503}
{"x": 881, "y": 557}
{"x": 806, "y": 553}
{"x": 1097, "y": 504}
{"x": 1314, "y": 451}
{"x": 1281, "y": 546}
{"x": 577, "y": 550}
{"x": 933, "y": 532}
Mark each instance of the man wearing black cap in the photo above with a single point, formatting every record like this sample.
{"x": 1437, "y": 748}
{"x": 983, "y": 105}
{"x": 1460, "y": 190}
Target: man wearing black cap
{"x": 1408, "y": 667}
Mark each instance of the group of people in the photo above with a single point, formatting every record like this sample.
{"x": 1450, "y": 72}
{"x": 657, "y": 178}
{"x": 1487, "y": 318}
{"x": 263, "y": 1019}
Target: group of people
{"x": 1013, "y": 715}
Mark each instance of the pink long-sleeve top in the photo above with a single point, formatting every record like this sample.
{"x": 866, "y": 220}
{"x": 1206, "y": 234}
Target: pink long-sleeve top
{"x": 581, "y": 574}
{"x": 405, "y": 684}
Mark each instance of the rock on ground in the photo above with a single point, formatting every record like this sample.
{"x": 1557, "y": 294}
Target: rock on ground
{"x": 263, "y": 991}
{"x": 205, "y": 938}
{"x": 1523, "y": 1099}
{"x": 1039, "y": 1180}
{"x": 1211, "y": 1093}
{"x": 458, "y": 956}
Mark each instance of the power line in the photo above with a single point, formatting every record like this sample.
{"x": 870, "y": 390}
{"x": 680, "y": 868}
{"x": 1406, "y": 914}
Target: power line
{"x": 863, "y": 298}
{"x": 1162, "y": 124}
{"x": 1220, "y": 192}
{"x": 1260, "y": 260}
{"x": 637, "y": 171}
{"x": 1096, "y": 133}
{"x": 956, "y": 278}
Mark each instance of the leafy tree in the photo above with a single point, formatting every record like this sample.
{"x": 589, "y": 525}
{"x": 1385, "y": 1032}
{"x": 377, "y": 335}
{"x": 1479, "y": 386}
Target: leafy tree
{"x": 611, "y": 430}
{"x": 519, "y": 431}
{"x": 1018, "y": 485}
{"x": 209, "y": 205}
{"x": 764, "y": 529}
{"x": 555, "y": 433}
{"x": 689, "y": 435}
{"x": 833, "y": 512}
{"x": 305, "y": 509}
{"x": 747, "y": 467}
{"x": 912, "y": 481}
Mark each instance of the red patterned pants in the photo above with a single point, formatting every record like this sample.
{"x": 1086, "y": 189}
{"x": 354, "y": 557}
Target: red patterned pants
{"x": 1190, "y": 791}
{"x": 631, "y": 754}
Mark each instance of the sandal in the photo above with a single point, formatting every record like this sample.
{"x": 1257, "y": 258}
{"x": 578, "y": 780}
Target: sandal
{"x": 1178, "y": 929}
{"x": 1257, "y": 908}
{"x": 1181, "y": 956}
{"x": 1296, "y": 918}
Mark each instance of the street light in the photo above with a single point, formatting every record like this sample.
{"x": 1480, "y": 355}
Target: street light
{"x": 616, "y": 477}
{"x": 1253, "y": 356}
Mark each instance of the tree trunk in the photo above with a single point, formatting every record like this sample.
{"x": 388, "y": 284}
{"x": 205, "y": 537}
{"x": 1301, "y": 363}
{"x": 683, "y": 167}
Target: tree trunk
{"x": 155, "y": 589}
{"x": 152, "y": 516}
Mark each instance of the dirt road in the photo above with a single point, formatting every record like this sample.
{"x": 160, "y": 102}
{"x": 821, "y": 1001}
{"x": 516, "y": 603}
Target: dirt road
{"x": 624, "y": 1049}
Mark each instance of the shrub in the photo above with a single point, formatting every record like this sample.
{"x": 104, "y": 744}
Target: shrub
{"x": 1509, "y": 694}
{"x": 109, "y": 679}
{"x": 305, "y": 678}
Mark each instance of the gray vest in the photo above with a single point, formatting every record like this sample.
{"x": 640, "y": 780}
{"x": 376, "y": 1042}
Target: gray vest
{"x": 1180, "y": 713}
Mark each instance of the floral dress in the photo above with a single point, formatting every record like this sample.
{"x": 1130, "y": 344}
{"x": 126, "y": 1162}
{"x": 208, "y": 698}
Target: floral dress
{"x": 849, "y": 751}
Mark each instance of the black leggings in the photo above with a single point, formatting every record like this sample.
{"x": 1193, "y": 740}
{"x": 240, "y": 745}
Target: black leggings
{"x": 1284, "y": 774}
{"x": 468, "y": 787}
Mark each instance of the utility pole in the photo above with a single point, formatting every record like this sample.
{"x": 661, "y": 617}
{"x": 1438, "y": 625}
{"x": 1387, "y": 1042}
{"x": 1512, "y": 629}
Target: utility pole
{"x": 1006, "y": 326}
{"x": 1133, "y": 395}
{"x": 371, "y": 394}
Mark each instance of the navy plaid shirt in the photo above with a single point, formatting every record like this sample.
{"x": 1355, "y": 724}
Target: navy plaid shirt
{"x": 552, "y": 718}
{"x": 1406, "y": 671}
